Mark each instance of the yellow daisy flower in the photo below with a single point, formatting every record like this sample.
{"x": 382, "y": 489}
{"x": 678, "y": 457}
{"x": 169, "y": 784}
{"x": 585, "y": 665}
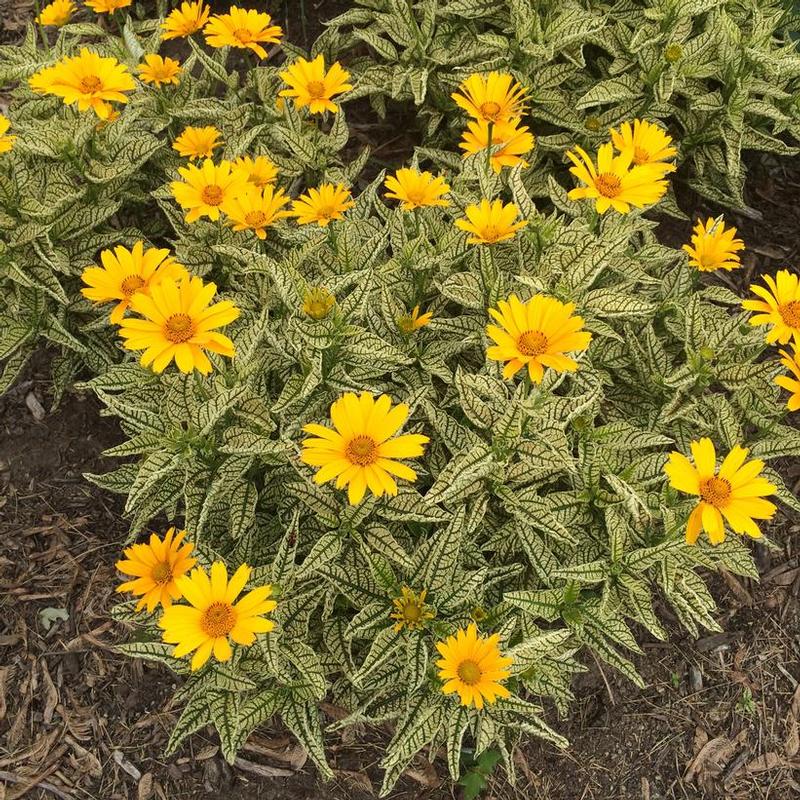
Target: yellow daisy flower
{"x": 779, "y": 307}
{"x": 614, "y": 183}
{"x": 490, "y": 222}
{"x": 213, "y": 617}
{"x": 645, "y": 142}
{"x": 107, "y": 6}
{"x": 186, "y": 20}
{"x": 178, "y": 324}
{"x": 318, "y": 302}
{"x": 473, "y": 666}
{"x": 197, "y": 142}
{"x": 792, "y": 363}
{"x": 6, "y": 139}
{"x": 155, "y": 568}
{"x": 57, "y": 13}
{"x": 87, "y": 79}
{"x": 158, "y": 70}
{"x": 260, "y": 170}
{"x": 536, "y": 334}
{"x": 242, "y": 28}
{"x": 516, "y": 142}
{"x": 415, "y": 189}
{"x": 255, "y": 209}
{"x": 362, "y": 449}
{"x": 310, "y": 85}
{"x": 714, "y": 246}
{"x": 496, "y": 97}
{"x": 126, "y": 272}
{"x": 735, "y": 492}
{"x": 410, "y": 610}
{"x": 323, "y": 204}
{"x": 409, "y": 323}
{"x": 204, "y": 188}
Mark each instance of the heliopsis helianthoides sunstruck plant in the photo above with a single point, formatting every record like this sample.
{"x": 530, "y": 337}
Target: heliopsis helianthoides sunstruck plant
{"x": 256, "y": 209}
{"x": 155, "y": 568}
{"x": 57, "y": 13}
{"x": 198, "y": 142}
{"x": 260, "y": 170}
{"x": 408, "y": 323}
{"x": 491, "y": 222}
{"x": 6, "y": 139}
{"x": 537, "y": 334}
{"x": 88, "y": 79}
{"x": 107, "y": 6}
{"x": 779, "y": 307}
{"x": 494, "y": 98}
{"x": 415, "y": 189}
{"x": 645, "y": 142}
{"x": 179, "y": 322}
{"x": 214, "y": 617}
{"x": 186, "y": 20}
{"x": 735, "y": 493}
{"x": 246, "y": 29}
{"x": 509, "y": 141}
{"x": 410, "y": 610}
{"x": 125, "y": 272}
{"x": 791, "y": 361}
{"x": 312, "y": 86}
{"x": 714, "y": 246}
{"x": 614, "y": 183}
{"x": 361, "y": 451}
{"x": 318, "y": 302}
{"x": 205, "y": 188}
{"x": 473, "y": 667}
{"x": 159, "y": 71}
{"x": 322, "y": 205}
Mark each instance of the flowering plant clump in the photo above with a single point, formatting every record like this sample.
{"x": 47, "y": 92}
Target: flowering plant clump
{"x": 425, "y": 435}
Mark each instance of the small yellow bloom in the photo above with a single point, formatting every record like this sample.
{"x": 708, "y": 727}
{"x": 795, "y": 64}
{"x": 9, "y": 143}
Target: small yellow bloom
{"x": 779, "y": 307}
{"x": 410, "y": 610}
{"x": 107, "y": 6}
{"x": 186, "y": 20}
{"x": 158, "y": 70}
{"x": 204, "y": 188}
{"x": 178, "y": 324}
{"x": 6, "y": 139}
{"x": 322, "y": 205}
{"x": 409, "y": 323}
{"x": 155, "y": 568}
{"x": 516, "y": 141}
{"x": 361, "y": 451}
{"x": 415, "y": 189}
{"x": 473, "y": 666}
{"x": 792, "y": 362}
{"x": 494, "y": 98}
{"x": 213, "y": 617}
{"x": 57, "y": 13}
{"x": 491, "y": 222}
{"x": 310, "y": 85}
{"x": 714, "y": 246}
{"x": 126, "y": 272}
{"x": 318, "y": 302}
{"x": 645, "y": 142}
{"x": 197, "y": 142}
{"x": 255, "y": 209}
{"x": 735, "y": 492}
{"x": 242, "y": 28}
{"x": 260, "y": 170}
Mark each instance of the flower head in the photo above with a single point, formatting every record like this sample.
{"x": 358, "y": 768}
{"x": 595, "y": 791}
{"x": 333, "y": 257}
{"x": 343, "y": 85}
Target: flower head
{"x": 735, "y": 491}
{"x": 107, "y": 6}
{"x": 197, "y": 142}
{"x": 310, "y": 85}
{"x": 779, "y": 307}
{"x": 255, "y": 209}
{"x": 178, "y": 323}
{"x": 155, "y": 568}
{"x": 205, "y": 188}
{"x": 158, "y": 70}
{"x": 409, "y": 323}
{"x": 410, "y": 610}
{"x": 792, "y": 362}
{"x": 87, "y": 79}
{"x": 496, "y": 97}
{"x": 536, "y": 334}
{"x": 645, "y": 142}
{"x": 416, "y": 189}
{"x": 322, "y": 205}
{"x": 614, "y": 183}
{"x": 318, "y": 302}
{"x": 6, "y": 139}
{"x": 126, "y": 272}
{"x": 213, "y": 617}
{"x": 473, "y": 666}
{"x": 242, "y": 28}
{"x": 516, "y": 141}
{"x": 57, "y": 13}
{"x": 361, "y": 449}
{"x": 713, "y": 246}
{"x": 186, "y": 20}
{"x": 260, "y": 170}
{"x": 491, "y": 222}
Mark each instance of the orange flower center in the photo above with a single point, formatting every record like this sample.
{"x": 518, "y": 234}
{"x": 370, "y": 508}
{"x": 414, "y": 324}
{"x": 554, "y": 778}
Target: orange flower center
{"x": 490, "y": 233}
{"x": 490, "y": 109}
{"x": 243, "y": 35}
{"x": 640, "y": 156}
{"x": 326, "y": 212}
{"x": 791, "y": 313}
{"x": 255, "y": 219}
{"x": 179, "y": 328}
{"x": 469, "y": 672}
{"x": 608, "y": 184}
{"x": 315, "y": 89}
{"x": 218, "y": 620}
{"x": 131, "y": 284}
{"x": 715, "y": 491}
{"x": 90, "y": 83}
{"x": 532, "y": 343}
{"x": 362, "y": 450}
{"x": 211, "y": 194}
{"x": 162, "y": 572}
{"x": 416, "y": 196}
